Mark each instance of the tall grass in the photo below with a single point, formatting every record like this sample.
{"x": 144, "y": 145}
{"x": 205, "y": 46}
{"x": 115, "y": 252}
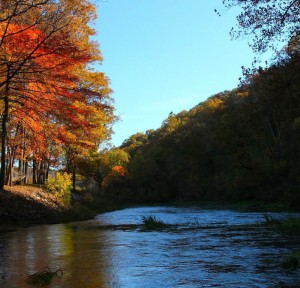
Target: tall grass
{"x": 152, "y": 223}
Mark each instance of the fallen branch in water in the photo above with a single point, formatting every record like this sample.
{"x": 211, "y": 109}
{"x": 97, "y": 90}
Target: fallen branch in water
{"x": 43, "y": 277}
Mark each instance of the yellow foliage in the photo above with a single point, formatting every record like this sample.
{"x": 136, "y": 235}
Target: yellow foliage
{"x": 242, "y": 94}
{"x": 60, "y": 185}
{"x": 214, "y": 103}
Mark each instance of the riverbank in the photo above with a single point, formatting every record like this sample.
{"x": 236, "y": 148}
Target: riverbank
{"x": 22, "y": 206}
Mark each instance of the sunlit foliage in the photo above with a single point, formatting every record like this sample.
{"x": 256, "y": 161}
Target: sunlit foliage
{"x": 53, "y": 104}
{"x": 240, "y": 145}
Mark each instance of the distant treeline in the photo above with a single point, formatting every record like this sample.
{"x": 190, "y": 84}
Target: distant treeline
{"x": 242, "y": 144}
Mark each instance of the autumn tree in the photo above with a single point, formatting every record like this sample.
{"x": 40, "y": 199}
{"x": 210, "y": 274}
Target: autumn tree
{"x": 102, "y": 162}
{"x": 46, "y": 85}
{"x": 267, "y": 22}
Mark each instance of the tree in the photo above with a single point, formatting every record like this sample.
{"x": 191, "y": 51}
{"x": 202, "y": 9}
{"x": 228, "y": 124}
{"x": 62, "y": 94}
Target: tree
{"x": 266, "y": 21}
{"x": 46, "y": 86}
{"x": 132, "y": 144}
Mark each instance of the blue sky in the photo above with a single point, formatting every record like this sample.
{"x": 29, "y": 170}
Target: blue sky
{"x": 166, "y": 55}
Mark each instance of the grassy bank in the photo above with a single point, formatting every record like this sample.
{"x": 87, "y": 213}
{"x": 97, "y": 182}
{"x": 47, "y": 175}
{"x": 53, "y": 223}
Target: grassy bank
{"x": 27, "y": 205}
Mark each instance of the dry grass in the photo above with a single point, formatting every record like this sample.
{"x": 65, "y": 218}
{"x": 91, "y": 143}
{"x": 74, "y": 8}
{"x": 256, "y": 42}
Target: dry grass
{"x": 33, "y": 193}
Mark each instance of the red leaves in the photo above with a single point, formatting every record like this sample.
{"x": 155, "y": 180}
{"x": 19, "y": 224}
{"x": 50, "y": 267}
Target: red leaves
{"x": 52, "y": 93}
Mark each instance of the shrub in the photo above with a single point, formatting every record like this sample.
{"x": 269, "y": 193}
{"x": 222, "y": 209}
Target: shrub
{"x": 60, "y": 185}
{"x": 88, "y": 198}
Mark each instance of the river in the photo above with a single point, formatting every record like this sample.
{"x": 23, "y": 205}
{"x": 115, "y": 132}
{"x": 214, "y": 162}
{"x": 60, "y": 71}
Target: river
{"x": 204, "y": 248}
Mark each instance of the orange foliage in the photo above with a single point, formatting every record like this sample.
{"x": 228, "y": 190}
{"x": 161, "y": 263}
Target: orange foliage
{"x": 52, "y": 93}
{"x": 118, "y": 171}
{"x": 115, "y": 175}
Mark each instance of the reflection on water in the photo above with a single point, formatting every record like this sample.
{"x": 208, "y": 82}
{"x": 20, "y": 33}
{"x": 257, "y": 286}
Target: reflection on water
{"x": 74, "y": 249}
{"x": 203, "y": 251}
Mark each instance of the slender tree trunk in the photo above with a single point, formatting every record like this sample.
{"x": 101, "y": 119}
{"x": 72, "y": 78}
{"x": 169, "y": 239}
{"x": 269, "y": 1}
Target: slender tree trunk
{"x": 3, "y": 139}
{"x": 7, "y": 165}
{"x": 34, "y": 168}
{"x": 24, "y": 160}
{"x": 11, "y": 163}
{"x": 10, "y": 167}
{"x": 20, "y": 165}
{"x": 21, "y": 168}
{"x": 47, "y": 170}
{"x": 74, "y": 177}
{"x": 39, "y": 174}
{"x": 25, "y": 171}
{"x": 42, "y": 172}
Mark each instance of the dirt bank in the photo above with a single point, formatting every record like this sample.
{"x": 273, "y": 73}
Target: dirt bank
{"x": 27, "y": 205}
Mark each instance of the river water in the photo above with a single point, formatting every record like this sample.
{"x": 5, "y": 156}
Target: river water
{"x": 204, "y": 248}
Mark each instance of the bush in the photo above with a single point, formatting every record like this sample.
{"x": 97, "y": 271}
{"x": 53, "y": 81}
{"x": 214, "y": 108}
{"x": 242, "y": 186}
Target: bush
{"x": 88, "y": 198}
{"x": 60, "y": 185}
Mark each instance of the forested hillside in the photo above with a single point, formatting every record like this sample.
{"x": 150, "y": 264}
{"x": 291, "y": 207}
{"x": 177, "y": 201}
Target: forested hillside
{"x": 237, "y": 145}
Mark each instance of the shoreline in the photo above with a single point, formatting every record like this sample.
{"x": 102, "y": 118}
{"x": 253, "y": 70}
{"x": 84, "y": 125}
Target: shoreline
{"x": 28, "y": 205}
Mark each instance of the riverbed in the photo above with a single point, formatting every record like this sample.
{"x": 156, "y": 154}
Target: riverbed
{"x": 200, "y": 248}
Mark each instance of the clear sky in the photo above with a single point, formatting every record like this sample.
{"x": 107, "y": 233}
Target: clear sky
{"x": 166, "y": 55}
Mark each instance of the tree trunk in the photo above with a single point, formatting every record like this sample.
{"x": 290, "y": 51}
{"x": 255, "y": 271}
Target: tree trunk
{"x": 34, "y": 168}
{"x": 25, "y": 171}
{"x": 10, "y": 168}
{"x": 7, "y": 165}
{"x": 47, "y": 170}
{"x": 24, "y": 160}
{"x": 74, "y": 178}
{"x": 3, "y": 139}
{"x": 42, "y": 172}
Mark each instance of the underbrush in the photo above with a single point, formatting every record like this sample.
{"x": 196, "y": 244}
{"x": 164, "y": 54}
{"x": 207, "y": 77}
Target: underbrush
{"x": 89, "y": 204}
{"x": 60, "y": 186}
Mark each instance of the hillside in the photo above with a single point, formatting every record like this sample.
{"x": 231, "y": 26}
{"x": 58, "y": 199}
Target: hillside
{"x": 239, "y": 145}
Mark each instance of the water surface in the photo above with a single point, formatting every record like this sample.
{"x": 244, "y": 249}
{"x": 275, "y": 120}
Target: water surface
{"x": 204, "y": 248}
